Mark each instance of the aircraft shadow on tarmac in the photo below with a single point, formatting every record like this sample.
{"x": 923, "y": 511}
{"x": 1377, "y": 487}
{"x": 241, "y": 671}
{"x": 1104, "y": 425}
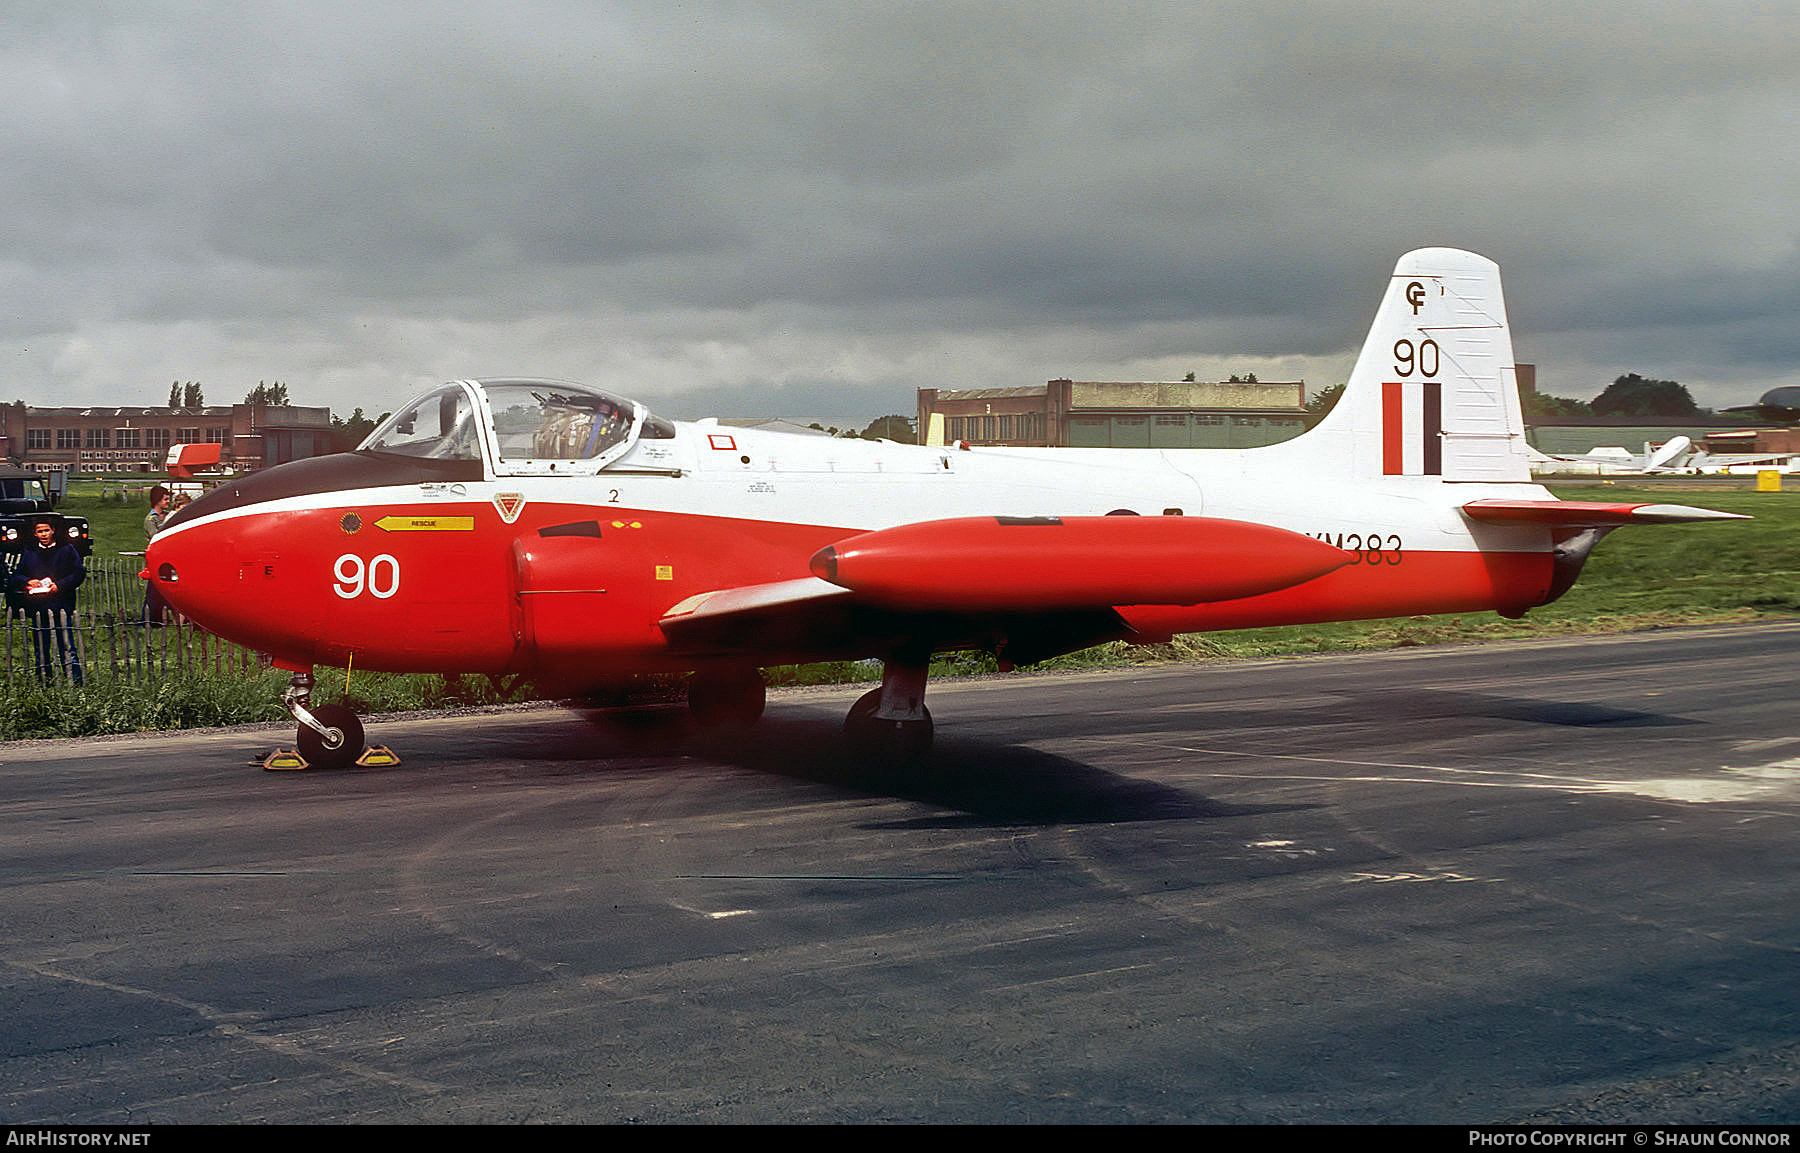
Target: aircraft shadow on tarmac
{"x": 1439, "y": 703}
{"x": 987, "y": 781}
{"x": 990, "y": 781}
{"x": 1385, "y": 707}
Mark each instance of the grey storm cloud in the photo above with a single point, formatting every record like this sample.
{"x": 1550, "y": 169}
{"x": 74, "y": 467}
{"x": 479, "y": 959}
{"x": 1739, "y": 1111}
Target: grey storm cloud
{"x": 814, "y": 209}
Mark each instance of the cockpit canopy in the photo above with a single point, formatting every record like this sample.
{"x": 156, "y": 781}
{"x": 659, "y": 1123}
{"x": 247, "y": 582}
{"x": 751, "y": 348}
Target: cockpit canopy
{"x": 518, "y": 427}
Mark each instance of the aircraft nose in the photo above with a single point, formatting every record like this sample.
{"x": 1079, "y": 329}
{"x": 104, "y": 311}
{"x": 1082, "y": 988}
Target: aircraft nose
{"x": 195, "y": 571}
{"x": 235, "y": 577}
{"x": 158, "y": 568}
{"x": 168, "y": 560}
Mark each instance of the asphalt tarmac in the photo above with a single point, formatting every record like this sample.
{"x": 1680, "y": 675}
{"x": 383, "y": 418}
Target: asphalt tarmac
{"x": 1531, "y": 882}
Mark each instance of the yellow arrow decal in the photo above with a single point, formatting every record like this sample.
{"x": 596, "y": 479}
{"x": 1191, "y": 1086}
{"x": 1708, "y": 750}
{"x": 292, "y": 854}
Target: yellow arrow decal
{"x": 426, "y": 524}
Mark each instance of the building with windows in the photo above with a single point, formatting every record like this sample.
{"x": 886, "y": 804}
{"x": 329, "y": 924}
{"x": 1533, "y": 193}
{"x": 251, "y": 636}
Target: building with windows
{"x": 1119, "y": 414}
{"x": 114, "y": 440}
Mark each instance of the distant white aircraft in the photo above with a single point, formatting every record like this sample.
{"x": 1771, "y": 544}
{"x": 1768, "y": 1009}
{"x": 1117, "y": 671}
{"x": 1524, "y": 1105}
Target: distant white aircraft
{"x": 1672, "y": 456}
{"x": 1703, "y": 463}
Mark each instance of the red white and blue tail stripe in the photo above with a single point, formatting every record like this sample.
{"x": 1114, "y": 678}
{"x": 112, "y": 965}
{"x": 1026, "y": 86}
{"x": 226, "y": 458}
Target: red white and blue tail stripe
{"x": 1412, "y": 428}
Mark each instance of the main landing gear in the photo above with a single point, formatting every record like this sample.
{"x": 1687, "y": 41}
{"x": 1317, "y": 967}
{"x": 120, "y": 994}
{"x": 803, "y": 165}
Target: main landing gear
{"x": 726, "y": 698}
{"x": 330, "y": 736}
{"x": 891, "y": 724}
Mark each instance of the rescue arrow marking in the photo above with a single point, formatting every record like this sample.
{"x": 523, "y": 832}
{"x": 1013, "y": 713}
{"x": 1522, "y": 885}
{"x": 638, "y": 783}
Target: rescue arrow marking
{"x": 426, "y": 524}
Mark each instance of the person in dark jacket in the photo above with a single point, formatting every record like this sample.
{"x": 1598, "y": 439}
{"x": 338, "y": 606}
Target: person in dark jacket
{"x": 45, "y": 583}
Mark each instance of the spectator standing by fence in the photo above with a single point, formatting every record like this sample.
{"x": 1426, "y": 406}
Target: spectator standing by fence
{"x": 44, "y": 585}
{"x": 155, "y": 608}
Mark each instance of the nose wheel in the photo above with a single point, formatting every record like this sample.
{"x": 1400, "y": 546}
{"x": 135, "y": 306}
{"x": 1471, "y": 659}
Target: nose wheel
{"x": 331, "y": 736}
{"x": 341, "y": 742}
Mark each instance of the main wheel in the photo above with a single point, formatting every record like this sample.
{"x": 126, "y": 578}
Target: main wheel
{"x": 889, "y": 742}
{"x": 342, "y": 742}
{"x": 732, "y": 700}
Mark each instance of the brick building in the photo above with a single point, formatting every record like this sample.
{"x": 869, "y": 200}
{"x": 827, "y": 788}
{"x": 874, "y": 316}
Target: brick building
{"x": 107, "y": 439}
{"x": 1120, "y": 414}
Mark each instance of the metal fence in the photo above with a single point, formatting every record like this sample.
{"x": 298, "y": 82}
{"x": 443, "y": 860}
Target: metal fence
{"x": 112, "y": 638}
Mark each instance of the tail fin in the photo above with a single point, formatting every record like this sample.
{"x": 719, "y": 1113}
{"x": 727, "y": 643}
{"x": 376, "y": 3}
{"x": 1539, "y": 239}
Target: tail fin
{"x": 1435, "y": 392}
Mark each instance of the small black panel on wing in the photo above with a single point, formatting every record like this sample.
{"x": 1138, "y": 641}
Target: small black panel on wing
{"x": 573, "y": 528}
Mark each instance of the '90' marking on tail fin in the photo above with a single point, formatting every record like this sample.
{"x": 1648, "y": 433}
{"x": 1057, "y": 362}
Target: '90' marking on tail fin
{"x": 1412, "y": 426}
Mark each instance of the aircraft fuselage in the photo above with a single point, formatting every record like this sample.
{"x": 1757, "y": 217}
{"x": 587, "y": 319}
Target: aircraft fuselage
{"x": 557, "y": 574}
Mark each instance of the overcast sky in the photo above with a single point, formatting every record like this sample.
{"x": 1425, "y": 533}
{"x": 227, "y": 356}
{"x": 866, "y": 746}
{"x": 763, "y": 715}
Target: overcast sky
{"x": 812, "y": 209}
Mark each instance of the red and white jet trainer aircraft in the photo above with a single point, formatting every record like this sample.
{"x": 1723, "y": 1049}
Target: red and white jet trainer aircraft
{"x": 543, "y": 528}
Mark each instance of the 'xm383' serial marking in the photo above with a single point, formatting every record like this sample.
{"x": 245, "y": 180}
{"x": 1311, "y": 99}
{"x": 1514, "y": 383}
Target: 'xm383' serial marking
{"x": 1370, "y": 548}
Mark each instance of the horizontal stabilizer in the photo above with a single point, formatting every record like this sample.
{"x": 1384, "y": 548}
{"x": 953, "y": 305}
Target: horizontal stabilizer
{"x": 1038, "y": 564}
{"x": 1589, "y": 514}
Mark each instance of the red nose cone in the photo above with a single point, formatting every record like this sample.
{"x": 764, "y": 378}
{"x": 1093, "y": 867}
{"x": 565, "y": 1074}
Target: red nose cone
{"x": 824, "y": 564}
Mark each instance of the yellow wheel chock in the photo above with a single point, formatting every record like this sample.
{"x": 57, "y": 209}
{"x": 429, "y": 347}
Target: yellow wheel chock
{"x": 290, "y": 760}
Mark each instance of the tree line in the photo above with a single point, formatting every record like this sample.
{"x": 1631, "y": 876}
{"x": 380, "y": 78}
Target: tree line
{"x": 346, "y": 432}
{"x": 192, "y": 395}
{"x": 1629, "y": 395}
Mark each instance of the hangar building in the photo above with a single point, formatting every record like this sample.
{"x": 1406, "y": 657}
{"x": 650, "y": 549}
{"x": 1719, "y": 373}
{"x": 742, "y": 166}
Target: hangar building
{"x": 1120, "y": 414}
{"x": 107, "y": 439}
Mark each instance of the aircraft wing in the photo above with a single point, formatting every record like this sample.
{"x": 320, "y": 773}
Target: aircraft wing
{"x": 810, "y": 619}
{"x": 777, "y": 614}
{"x": 1041, "y": 585}
{"x": 1588, "y": 514}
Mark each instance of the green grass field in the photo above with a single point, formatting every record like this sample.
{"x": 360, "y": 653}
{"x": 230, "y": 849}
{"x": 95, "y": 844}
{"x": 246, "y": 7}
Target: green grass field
{"x": 1638, "y": 578}
{"x": 1692, "y": 569}
{"x": 116, "y": 520}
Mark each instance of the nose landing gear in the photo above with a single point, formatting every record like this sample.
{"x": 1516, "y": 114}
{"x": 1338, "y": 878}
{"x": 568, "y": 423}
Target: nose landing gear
{"x": 330, "y": 736}
{"x": 339, "y": 745}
